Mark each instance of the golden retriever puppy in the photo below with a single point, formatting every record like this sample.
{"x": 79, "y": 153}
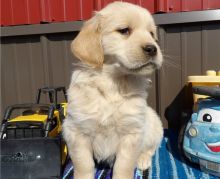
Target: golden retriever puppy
{"x": 108, "y": 117}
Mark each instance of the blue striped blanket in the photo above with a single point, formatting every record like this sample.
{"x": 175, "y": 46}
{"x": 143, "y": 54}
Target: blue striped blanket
{"x": 168, "y": 163}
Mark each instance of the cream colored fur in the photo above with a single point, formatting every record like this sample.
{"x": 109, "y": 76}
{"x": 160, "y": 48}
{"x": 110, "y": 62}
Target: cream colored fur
{"x": 108, "y": 116}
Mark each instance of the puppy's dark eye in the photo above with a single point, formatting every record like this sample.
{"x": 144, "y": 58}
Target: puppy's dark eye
{"x": 152, "y": 34}
{"x": 124, "y": 31}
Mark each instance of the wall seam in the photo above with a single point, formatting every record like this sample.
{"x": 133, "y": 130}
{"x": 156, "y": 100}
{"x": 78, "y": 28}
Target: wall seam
{"x": 43, "y": 40}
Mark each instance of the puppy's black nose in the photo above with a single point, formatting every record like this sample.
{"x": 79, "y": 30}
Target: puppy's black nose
{"x": 150, "y": 49}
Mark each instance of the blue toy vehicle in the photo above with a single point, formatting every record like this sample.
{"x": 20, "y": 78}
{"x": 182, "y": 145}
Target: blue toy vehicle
{"x": 201, "y": 142}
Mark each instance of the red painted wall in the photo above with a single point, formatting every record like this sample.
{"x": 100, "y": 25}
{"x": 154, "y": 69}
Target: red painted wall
{"x": 20, "y": 12}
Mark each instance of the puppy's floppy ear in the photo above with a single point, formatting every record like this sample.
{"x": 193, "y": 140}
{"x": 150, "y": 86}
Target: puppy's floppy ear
{"x": 87, "y": 45}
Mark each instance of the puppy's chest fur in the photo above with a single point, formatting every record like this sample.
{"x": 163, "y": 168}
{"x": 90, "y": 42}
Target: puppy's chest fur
{"x": 106, "y": 109}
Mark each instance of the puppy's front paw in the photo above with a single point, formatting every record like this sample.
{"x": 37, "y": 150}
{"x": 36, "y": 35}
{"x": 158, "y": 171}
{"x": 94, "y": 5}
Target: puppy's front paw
{"x": 144, "y": 161}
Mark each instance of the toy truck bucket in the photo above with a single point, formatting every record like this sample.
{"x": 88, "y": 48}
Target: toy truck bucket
{"x": 31, "y": 158}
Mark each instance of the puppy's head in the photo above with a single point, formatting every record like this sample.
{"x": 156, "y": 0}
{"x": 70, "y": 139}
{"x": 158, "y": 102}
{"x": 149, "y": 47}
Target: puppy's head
{"x": 121, "y": 36}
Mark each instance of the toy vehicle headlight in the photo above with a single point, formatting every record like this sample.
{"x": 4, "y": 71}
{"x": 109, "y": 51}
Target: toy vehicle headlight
{"x": 193, "y": 132}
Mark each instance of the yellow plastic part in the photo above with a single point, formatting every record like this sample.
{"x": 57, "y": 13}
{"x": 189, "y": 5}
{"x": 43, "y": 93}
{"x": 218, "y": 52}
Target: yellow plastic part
{"x": 212, "y": 78}
{"x": 57, "y": 129}
{"x": 40, "y": 118}
{"x": 64, "y": 105}
{"x": 33, "y": 117}
{"x": 64, "y": 153}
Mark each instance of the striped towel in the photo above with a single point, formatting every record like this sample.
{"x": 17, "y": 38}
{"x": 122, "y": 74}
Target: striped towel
{"x": 167, "y": 163}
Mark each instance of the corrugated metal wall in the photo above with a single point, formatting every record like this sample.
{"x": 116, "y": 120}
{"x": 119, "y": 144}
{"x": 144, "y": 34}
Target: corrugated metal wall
{"x": 17, "y": 12}
{"x": 30, "y": 62}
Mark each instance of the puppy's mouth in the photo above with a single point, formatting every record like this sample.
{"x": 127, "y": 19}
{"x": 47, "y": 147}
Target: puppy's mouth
{"x": 150, "y": 65}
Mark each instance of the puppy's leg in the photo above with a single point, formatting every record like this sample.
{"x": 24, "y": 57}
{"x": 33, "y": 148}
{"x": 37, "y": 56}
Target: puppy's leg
{"x": 126, "y": 157}
{"x": 82, "y": 157}
{"x": 152, "y": 139}
{"x": 80, "y": 151}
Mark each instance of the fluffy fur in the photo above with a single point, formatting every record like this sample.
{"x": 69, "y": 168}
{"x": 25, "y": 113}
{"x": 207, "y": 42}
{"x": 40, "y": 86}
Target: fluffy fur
{"x": 108, "y": 117}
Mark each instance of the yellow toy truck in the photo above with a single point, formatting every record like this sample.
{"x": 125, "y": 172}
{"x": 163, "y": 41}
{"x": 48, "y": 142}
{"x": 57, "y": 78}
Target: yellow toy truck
{"x": 31, "y": 145}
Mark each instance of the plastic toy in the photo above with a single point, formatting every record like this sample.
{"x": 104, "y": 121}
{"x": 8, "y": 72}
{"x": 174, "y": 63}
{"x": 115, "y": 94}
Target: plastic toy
{"x": 212, "y": 78}
{"x": 31, "y": 145}
{"x": 201, "y": 142}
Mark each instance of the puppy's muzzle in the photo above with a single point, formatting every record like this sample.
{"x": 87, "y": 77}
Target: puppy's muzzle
{"x": 150, "y": 50}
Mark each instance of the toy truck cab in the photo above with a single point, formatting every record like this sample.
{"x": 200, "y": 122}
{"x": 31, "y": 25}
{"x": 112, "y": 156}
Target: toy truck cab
{"x": 36, "y": 120}
{"x": 201, "y": 142}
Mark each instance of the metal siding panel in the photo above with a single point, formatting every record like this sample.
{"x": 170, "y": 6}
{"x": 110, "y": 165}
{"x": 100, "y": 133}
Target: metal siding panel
{"x": 99, "y": 4}
{"x": 72, "y": 10}
{"x": 170, "y": 74}
{"x": 22, "y": 62}
{"x": 131, "y": 1}
{"x": 6, "y": 12}
{"x": 210, "y": 4}
{"x": 9, "y": 91}
{"x": 66, "y": 10}
{"x": 162, "y": 6}
{"x": 19, "y": 9}
{"x": 55, "y": 54}
{"x": 37, "y": 74}
{"x": 174, "y": 6}
{"x": 45, "y": 11}
{"x": 87, "y": 8}
{"x": 191, "y": 50}
{"x": 60, "y": 58}
{"x": 162, "y": 44}
{"x": 20, "y": 15}
{"x": 34, "y": 11}
{"x": 192, "y": 5}
{"x": 45, "y": 57}
{"x": 149, "y": 4}
{"x": 15, "y": 12}
{"x": 191, "y": 55}
{"x": 78, "y": 10}
{"x": 57, "y": 10}
{"x": 210, "y": 47}
{"x": 185, "y": 5}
